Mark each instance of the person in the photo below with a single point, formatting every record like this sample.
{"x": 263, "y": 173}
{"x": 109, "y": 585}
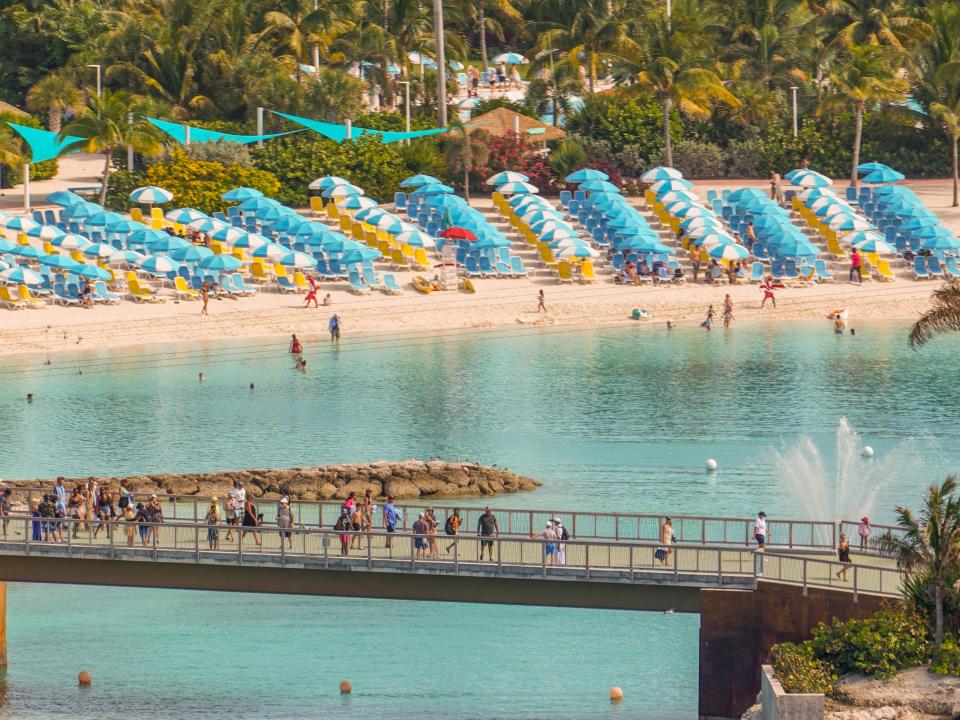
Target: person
{"x": 312, "y": 293}
{"x": 776, "y": 189}
{"x": 77, "y": 508}
{"x": 200, "y": 377}
{"x": 708, "y": 320}
{"x": 130, "y": 524}
{"x": 241, "y": 492}
{"x": 856, "y": 266}
{"x": 48, "y": 511}
{"x": 140, "y": 518}
{"x": 36, "y": 523}
{"x": 501, "y": 74}
{"x": 432, "y": 524}
{"x": 549, "y": 536}
{"x": 843, "y": 555}
{"x": 391, "y": 518}
{"x": 205, "y": 296}
{"x": 212, "y": 521}
{"x": 727, "y": 310}
{"x": 5, "y": 509}
{"x": 420, "y": 528}
{"x": 560, "y": 556}
{"x": 715, "y": 272}
{"x": 334, "y": 327}
{"x": 356, "y": 524}
{"x": 767, "y": 288}
{"x": 327, "y": 300}
{"x": 232, "y": 515}
{"x": 296, "y": 347}
{"x": 105, "y": 511}
{"x": 751, "y": 235}
{"x": 350, "y": 503}
{"x": 300, "y": 365}
{"x": 760, "y": 531}
{"x": 837, "y": 324}
{"x": 452, "y": 527}
{"x": 251, "y": 519}
{"x": 864, "y": 530}
{"x": 153, "y": 515}
{"x": 60, "y": 502}
{"x": 515, "y": 78}
{"x": 541, "y": 301}
{"x": 473, "y": 81}
{"x": 671, "y": 325}
{"x": 86, "y": 294}
{"x": 665, "y": 550}
{"x": 285, "y": 522}
{"x": 487, "y": 527}
{"x": 342, "y": 526}
{"x": 366, "y": 514}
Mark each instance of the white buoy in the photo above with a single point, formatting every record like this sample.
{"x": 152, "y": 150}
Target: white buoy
{"x": 867, "y": 451}
{"x": 711, "y": 464}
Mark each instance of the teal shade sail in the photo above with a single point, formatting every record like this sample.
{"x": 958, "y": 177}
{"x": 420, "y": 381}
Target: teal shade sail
{"x": 44, "y": 145}
{"x": 338, "y": 133}
{"x": 178, "y": 132}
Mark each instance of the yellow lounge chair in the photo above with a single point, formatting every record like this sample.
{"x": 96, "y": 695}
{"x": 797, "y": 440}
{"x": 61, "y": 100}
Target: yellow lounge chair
{"x": 300, "y": 281}
{"x": 316, "y": 204}
{"x": 10, "y": 300}
{"x": 156, "y": 223}
{"x": 156, "y": 213}
{"x": 546, "y": 256}
{"x": 49, "y": 248}
{"x": 259, "y": 272}
{"x": 397, "y": 258}
{"x": 141, "y": 294}
{"x": 587, "y": 273}
{"x": 420, "y": 259}
{"x": 333, "y": 212}
{"x": 113, "y": 276}
{"x": 22, "y": 239}
{"x": 183, "y": 290}
{"x": 564, "y": 272}
{"x": 29, "y": 299}
{"x": 136, "y": 214}
{"x": 883, "y": 270}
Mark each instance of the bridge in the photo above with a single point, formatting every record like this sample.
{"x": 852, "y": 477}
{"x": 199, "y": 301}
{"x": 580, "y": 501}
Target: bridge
{"x": 611, "y": 561}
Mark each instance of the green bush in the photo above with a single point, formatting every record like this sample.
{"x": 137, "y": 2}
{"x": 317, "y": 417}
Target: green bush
{"x": 798, "y": 671}
{"x": 947, "y": 661}
{"x": 880, "y": 646}
{"x": 199, "y": 184}
{"x": 11, "y": 176}
{"x": 122, "y": 183}
{"x": 623, "y": 123}
{"x": 696, "y": 159}
{"x": 221, "y": 151}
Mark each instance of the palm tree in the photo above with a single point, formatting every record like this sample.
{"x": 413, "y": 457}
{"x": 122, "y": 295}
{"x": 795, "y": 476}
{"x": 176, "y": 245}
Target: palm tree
{"x": 111, "y": 122}
{"x": 863, "y": 76}
{"x": 943, "y": 317}
{"x": 55, "y": 94}
{"x": 463, "y": 150}
{"x": 949, "y": 117}
{"x": 929, "y": 545}
{"x": 307, "y": 25}
{"x": 554, "y": 92}
{"x": 872, "y": 22}
{"x": 680, "y": 73}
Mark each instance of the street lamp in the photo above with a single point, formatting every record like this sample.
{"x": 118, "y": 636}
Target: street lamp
{"x": 99, "y": 81}
{"x": 793, "y": 92}
{"x": 669, "y": 15}
{"x": 406, "y": 105}
{"x": 441, "y": 61}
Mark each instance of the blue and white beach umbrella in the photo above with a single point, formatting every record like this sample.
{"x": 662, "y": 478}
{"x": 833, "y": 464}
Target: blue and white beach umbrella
{"x": 104, "y": 218}
{"x": 145, "y": 237}
{"x": 193, "y": 253}
{"x": 599, "y": 186}
{"x": 328, "y": 181}
{"x": 71, "y": 241}
{"x": 942, "y": 242}
{"x": 258, "y": 204}
{"x": 507, "y": 176}
{"x": 151, "y": 195}
{"x": 46, "y": 232}
{"x": 21, "y": 275}
{"x": 80, "y": 211}
{"x": 125, "y": 257}
{"x": 28, "y": 251}
{"x": 338, "y": 191}
{"x": 250, "y": 241}
{"x": 418, "y": 180}
{"x": 93, "y": 272}
{"x": 99, "y": 250}
{"x": 270, "y": 251}
{"x": 584, "y": 174}
{"x": 357, "y": 202}
{"x": 298, "y": 260}
{"x": 729, "y": 252}
{"x": 661, "y": 187}
{"x": 221, "y": 263}
{"x": 360, "y": 254}
{"x": 875, "y": 245}
{"x": 64, "y": 198}
{"x": 207, "y": 224}
{"x": 19, "y": 223}
{"x": 184, "y": 216}
{"x": 517, "y": 188}
{"x": 125, "y": 226}
{"x": 432, "y": 189}
{"x": 811, "y": 179}
{"x": 239, "y": 194}
{"x": 660, "y": 173}
{"x": 414, "y": 238}
{"x": 511, "y": 58}
{"x": 229, "y": 234}
{"x": 167, "y": 244}
{"x": 60, "y": 262}
{"x": 580, "y": 252}
{"x": 845, "y": 222}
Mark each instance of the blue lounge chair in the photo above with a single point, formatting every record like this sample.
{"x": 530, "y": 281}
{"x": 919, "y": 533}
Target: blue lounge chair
{"x": 934, "y": 266}
{"x": 573, "y": 208}
{"x": 472, "y": 267}
{"x": 920, "y": 269}
{"x": 103, "y": 295}
{"x": 791, "y": 269}
{"x": 239, "y": 282}
{"x": 778, "y": 270}
{"x": 516, "y": 265}
{"x": 486, "y": 267}
{"x": 60, "y": 295}
{"x": 336, "y": 270}
{"x": 400, "y": 201}
{"x": 503, "y": 268}
{"x": 823, "y": 275}
{"x": 565, "y": 197}
{"x": 49, "y": 217}
{"x": 285, "y": 284}
{"x": 756, "y": 272}
{"x": 950, "y": 267}
{"x": 370, "y": 277}
{"x": 851, "y": 194}
{"x": 356, "y": 284}
{"x": 390, "y": 285}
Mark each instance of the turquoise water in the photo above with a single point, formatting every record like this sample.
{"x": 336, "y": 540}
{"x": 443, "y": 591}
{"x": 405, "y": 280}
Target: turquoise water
{"x": 618, "y": 420}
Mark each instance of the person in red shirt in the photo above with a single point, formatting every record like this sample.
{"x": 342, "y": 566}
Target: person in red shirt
{"x": 767, "y": 288}
{"x": 856, "y": 266}
{"x": 312, "y": 294}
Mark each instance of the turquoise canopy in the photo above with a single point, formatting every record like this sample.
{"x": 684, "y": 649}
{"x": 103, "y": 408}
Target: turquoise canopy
{"x": 44, "y": 145}
{"x": 338, "y": 133}
{"x": 197, "y": 134}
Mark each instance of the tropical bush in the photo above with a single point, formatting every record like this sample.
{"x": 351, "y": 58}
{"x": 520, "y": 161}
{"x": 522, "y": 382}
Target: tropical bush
{"x": 221, "y": 151}
{"x": 512, "y": 152}
{"x": 880, "y": 646}
{"x": 200, "y": 183}
{"x": 947, "y": 661}
{"x": 122, "y": 183}
{"x": 696, "y": 159}
{"x": 799, "y": 671}
{"x": 11, "y": 173}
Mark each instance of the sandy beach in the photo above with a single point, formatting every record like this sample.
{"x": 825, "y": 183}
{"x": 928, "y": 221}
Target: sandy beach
{"x": 498, "y": 303}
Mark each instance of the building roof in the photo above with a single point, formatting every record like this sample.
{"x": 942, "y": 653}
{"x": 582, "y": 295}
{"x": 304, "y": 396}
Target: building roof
{"x": 501, "y": 121}
{"x": 7, "y": 107}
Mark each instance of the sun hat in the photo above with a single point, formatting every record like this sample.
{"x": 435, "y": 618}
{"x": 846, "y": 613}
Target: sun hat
{"x": 284, "y": 501}
{"x": 231, "y": 494}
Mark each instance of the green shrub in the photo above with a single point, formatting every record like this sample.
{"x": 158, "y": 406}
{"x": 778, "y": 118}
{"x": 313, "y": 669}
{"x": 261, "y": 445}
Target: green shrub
{"x": 122, "y": 183}
{"x": 798, "y": 671}
{"x": 221, "y": 151}
{"x": 696, "y": 159}
{"x": 199, "y": 184}
{"x": 880, "y": 646}
{"x": 947, "y": 661}
{"x": 11, "y": 176}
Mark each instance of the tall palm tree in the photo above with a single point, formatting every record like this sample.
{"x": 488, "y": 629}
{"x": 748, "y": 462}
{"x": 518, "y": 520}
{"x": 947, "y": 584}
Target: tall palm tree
{"x": 55, "y": 94}
{"x": 949, "y": 116}
{"x": 872, "y": 22}
{"x": 554, "y": 92}
{"x": 943, "y": 317}
{"x": 463, "y": 150}
{"x": 680, "y": 72}
{"x": 111, "y": 122}
{"x": 862, "y": 76}
{"x": 307, "y": 27}
{"x": 929, "y": 544}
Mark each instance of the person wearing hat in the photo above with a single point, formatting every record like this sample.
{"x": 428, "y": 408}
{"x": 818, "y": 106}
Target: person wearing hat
{"x": 864, "y": 531}
{"x": 560, "y": 556}
{"x": 213, "y": 524}
{"x": 549, "y": 536}
{"x": 233, "y": 516}
{"x": 420, "y": 529}
{"x": 760, "y": 531}
{"x": 285, "y": 521}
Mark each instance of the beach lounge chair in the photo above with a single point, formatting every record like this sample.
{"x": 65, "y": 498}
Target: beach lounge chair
{"x": 778, "y": 270}
{"x": 503, "y": 268}
{"x": 564, "y": 271}
{"x": 241, "y": 286}
{"x": 259, "y": 272}
{"x": 756, "y": 272}
{"x": 9, "y": 300}
{"x": 300, "y": 282}
{"x": 390, "y": 286}
{"x": 883, "y": 270}
{"x": 141, "y": 294}
{"x": 370, "y": 278}
{"x": 60, "y": 295}
{"x": 183, "y": 290}
{"x": 486, "y": 267}
{"x": 790, "y": 267}
{"x": 472, "y": 266}
{"x": 316, "y": 204}
{"x": 516, "y": 265}
{"x": 587, "y": 273}
{"x": 285, "y": 284}
{"x": 400, "y": 201}
{"x": 950, "y": 267}
{"x": 336, "y": 269}
{"x": 920, "y": 269}
{"x": 102, "y": 295}
{"x": 356, "y": 284}
{"x": 420, "y": 259}
{"x": 823, "y": 275}
{"x": 934, "y": 266}
{"x": 29, "y": 300}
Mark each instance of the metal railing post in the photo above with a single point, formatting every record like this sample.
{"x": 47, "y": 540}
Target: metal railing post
{"x": 196, "y": 542}
{"x": 326, "y": 549}
{"x": 719, "y": 566}
{"x": 856, "y": 595}
{"x": 456, "y": 555}
{"x": 156, "y": 534}
{"x": 113, "y": 553}
{"x": 616, "y": 527}
{"x": 499, "y": 557}
{"x": 369, "y": 551}
{"x": 790, "y": 534}
{"x": 70, "y": 527}
{"x": 804, "y": 577}
{"x": 543, "y": 559}
{"x": 28, "y": 532}
{"x": 586, "y": 557}
{"x": 676, "y": 565}
{"x": 632, "y": 577}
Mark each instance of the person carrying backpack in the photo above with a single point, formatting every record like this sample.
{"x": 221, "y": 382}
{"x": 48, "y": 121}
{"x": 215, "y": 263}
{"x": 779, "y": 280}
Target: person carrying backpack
{"x": 560, "y": 555}
{"x": 452, "y": 527}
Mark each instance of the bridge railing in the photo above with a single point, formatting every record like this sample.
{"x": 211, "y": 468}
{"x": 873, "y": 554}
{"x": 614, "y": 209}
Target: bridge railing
{"x": 592, "y": 559}
{"x": 819, "y": 573}
{"x": 691, "y": 529}
{"x": 873, "y": 543}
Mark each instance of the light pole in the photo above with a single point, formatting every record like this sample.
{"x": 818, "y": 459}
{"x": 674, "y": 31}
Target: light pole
{"x": 441, "y": 61}
{"x": 793, "y": 92}
{"x": 406, "y": 105}
{"x": 99, "y": 80}
{"x": 669, "y": 16}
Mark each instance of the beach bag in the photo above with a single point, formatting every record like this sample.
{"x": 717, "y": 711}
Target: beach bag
{"x": 124, "y": 501}
{"x": 660, "y": 554}
{"x": 448, "y": 526}
{"x": 564, "y": 535}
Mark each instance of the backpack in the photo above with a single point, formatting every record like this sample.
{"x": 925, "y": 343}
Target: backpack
{"x": 448, "y": 526}
{"x": 564, "y": 535}
{"x": 124, "y": 501}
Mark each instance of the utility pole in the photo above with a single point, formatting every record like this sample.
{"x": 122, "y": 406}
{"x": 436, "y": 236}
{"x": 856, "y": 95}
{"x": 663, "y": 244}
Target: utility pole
{"x": 793, "y": 91}
{"x": 441, "y": 61}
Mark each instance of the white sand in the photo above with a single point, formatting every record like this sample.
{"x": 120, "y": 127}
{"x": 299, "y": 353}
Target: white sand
{"x": 498, "y": 303}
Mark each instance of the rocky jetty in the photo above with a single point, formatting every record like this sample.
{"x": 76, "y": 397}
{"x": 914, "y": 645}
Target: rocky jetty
{"x": 406, "y": 479}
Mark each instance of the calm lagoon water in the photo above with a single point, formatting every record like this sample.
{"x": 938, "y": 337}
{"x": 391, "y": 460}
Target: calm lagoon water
{"x": 618, "y": 419}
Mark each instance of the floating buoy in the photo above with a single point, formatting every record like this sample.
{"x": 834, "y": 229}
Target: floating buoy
{"x": 616, "y": 695}
{"x": 83, "y": 678}
{"x": 867, "y": 451}
{"x": 711, "y": 464}
{"x": 345, "y": 687}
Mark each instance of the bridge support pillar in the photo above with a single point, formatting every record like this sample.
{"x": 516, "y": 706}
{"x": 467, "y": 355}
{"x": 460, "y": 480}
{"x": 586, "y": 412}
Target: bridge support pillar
{"x": 3, "y": 625}
{"x": 738, "y": 628}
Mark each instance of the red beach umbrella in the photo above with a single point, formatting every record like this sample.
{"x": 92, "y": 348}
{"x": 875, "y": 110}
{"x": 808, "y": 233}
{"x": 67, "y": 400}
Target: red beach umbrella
{"x": 458, "y": 233}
